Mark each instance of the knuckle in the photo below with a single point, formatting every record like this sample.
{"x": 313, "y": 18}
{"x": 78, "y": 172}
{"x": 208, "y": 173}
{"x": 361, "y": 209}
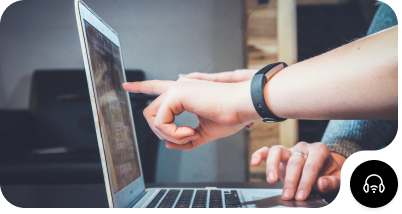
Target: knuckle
{"x": 320, "y": 146}
{"x": 276, "y": 148}
{"x": 157, "y": 125}
{"x": 322, "y": 149}
{"x": 145, "y": 112}
{"x": 302, "y": 143}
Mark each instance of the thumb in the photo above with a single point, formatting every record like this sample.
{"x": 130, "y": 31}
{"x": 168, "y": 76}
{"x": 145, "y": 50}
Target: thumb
{"x": 327, "y": 184}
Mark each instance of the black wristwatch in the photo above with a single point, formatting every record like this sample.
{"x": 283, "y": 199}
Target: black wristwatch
{"x": 257, "y": 91}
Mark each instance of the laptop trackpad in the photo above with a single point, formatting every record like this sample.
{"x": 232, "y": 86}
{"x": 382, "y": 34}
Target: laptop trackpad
{"x": 266, "y": 199}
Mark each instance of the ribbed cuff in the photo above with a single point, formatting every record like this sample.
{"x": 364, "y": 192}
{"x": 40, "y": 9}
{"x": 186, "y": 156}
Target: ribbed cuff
{"x": 343, "y": 147}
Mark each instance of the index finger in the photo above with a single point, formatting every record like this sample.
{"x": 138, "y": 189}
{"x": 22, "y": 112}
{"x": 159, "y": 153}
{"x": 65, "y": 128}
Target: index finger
{"x": 226, "y": 77}
{"x": 148, "y": 87}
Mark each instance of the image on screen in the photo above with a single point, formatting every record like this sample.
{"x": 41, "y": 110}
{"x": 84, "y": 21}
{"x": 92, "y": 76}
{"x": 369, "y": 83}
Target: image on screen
{"x": 113, "y": 109}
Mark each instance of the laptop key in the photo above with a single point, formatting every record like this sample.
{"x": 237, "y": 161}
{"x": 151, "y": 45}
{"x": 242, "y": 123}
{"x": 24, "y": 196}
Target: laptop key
{"x": 157, "y": 198}
{"x": 169, "y": 199}
{"x": 215, "y": 199}
{"x": 232, "y": 200}
{"x": 200, "y": 199}
{"x": 185, "y": 199}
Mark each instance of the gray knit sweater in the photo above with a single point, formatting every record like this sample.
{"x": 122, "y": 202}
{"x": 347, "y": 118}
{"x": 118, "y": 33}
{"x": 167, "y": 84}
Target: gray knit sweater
{"x": 346, "y": 137}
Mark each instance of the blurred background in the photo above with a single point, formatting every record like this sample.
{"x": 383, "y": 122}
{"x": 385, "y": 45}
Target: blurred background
{"x": 46, "y": 126}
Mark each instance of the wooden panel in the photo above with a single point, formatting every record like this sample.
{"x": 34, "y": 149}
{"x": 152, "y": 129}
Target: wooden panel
{"x": 263, "y": 28}
{"x": 262, "y": 49}
{"x": 287, "y": 52}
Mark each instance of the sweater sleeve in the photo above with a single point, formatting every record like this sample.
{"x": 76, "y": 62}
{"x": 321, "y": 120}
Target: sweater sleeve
{"x": 346, "y": 137}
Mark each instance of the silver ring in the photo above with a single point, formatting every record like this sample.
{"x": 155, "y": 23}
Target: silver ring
{"x": 300, "y": 153}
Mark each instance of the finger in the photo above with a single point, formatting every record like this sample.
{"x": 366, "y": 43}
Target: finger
{"x": 203, "y": 137}
{"x": 282, "y": 171}
{"x": 150, "y": 114}
{"x": 148, "y": 87}
{"x": 259, "y": 156}
{"x": 276, "y": 155}
{"x": 227, "y": 76}
{"x": 186, "y": 147}
{"x": 293, "y": 172}
{"x": 315, "y": 160}
{"x": 164, "y": 122}
{"x": 328, "y": 184}
{"x": 192, "y": 143}
{"x": 215, "y": 77}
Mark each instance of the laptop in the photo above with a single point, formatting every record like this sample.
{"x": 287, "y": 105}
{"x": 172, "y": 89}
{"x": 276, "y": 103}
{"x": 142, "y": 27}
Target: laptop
{"x": 117, "y": 141}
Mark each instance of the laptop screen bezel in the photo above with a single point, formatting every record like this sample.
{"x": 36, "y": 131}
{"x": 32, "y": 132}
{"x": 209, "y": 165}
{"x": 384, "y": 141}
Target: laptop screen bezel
{"x": 128, "y": 194}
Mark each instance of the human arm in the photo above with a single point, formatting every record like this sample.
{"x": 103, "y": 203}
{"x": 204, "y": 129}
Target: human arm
{"x": 358, "y": 80}
{"x": 355, "y": 81}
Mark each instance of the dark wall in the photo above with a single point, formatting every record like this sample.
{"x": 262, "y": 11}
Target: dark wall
{"x": 321, "y": 28}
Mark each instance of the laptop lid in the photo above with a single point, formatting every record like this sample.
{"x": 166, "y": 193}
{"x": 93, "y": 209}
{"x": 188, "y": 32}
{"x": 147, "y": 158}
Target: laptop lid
{"x": 111, "y": 108}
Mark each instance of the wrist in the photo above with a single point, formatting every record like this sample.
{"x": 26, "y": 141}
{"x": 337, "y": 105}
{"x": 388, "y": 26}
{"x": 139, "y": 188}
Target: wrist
{"x": 244, "y": 103}
{"x": 271, "y": 96}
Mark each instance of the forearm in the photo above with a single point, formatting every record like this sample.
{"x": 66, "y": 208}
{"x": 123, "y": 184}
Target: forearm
{"x": 356, "y": 81}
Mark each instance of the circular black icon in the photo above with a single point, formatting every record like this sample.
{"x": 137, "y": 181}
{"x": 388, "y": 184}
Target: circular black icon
{"x": 374, "y": 186}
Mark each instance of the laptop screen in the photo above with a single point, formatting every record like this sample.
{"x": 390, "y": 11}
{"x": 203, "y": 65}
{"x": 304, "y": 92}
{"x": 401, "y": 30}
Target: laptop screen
{"x": 112, "y": 102}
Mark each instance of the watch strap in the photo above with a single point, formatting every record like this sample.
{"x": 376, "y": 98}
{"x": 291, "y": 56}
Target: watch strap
{"x": 257, "y": 92}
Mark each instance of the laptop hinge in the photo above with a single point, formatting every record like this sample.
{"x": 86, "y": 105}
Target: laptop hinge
{"x": 132, "y": 204}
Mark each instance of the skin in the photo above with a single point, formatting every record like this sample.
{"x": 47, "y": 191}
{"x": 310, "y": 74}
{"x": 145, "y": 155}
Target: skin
{"x": 355, "y": 81}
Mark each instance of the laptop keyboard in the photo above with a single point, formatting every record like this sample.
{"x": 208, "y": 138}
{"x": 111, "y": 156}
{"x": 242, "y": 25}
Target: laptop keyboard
{"x": 200, "y": 199}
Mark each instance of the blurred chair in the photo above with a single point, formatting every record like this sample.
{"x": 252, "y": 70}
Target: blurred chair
{"x": 55, "y": 140}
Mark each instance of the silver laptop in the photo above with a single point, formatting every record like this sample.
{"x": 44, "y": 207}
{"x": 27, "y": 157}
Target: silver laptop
{"x": 117, "y": 141}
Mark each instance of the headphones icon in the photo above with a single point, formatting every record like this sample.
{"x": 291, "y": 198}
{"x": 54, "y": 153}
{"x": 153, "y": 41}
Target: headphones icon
{"x": 366, "y": 186}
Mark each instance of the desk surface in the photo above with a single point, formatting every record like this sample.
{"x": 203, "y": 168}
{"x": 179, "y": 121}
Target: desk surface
{"x": 90, "y": 195}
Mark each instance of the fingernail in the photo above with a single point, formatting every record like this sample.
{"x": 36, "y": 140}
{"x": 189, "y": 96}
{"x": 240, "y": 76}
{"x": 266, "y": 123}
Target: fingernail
{"x": 325, "y": 184}
{"x": 286, "y": 193}
{"x": 300, "y": 194}
{"x": 125, "y": 83}
{"x": 271, "y": 176}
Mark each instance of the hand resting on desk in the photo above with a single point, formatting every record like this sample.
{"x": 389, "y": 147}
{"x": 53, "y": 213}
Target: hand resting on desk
{"x": 319, "y": 170}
